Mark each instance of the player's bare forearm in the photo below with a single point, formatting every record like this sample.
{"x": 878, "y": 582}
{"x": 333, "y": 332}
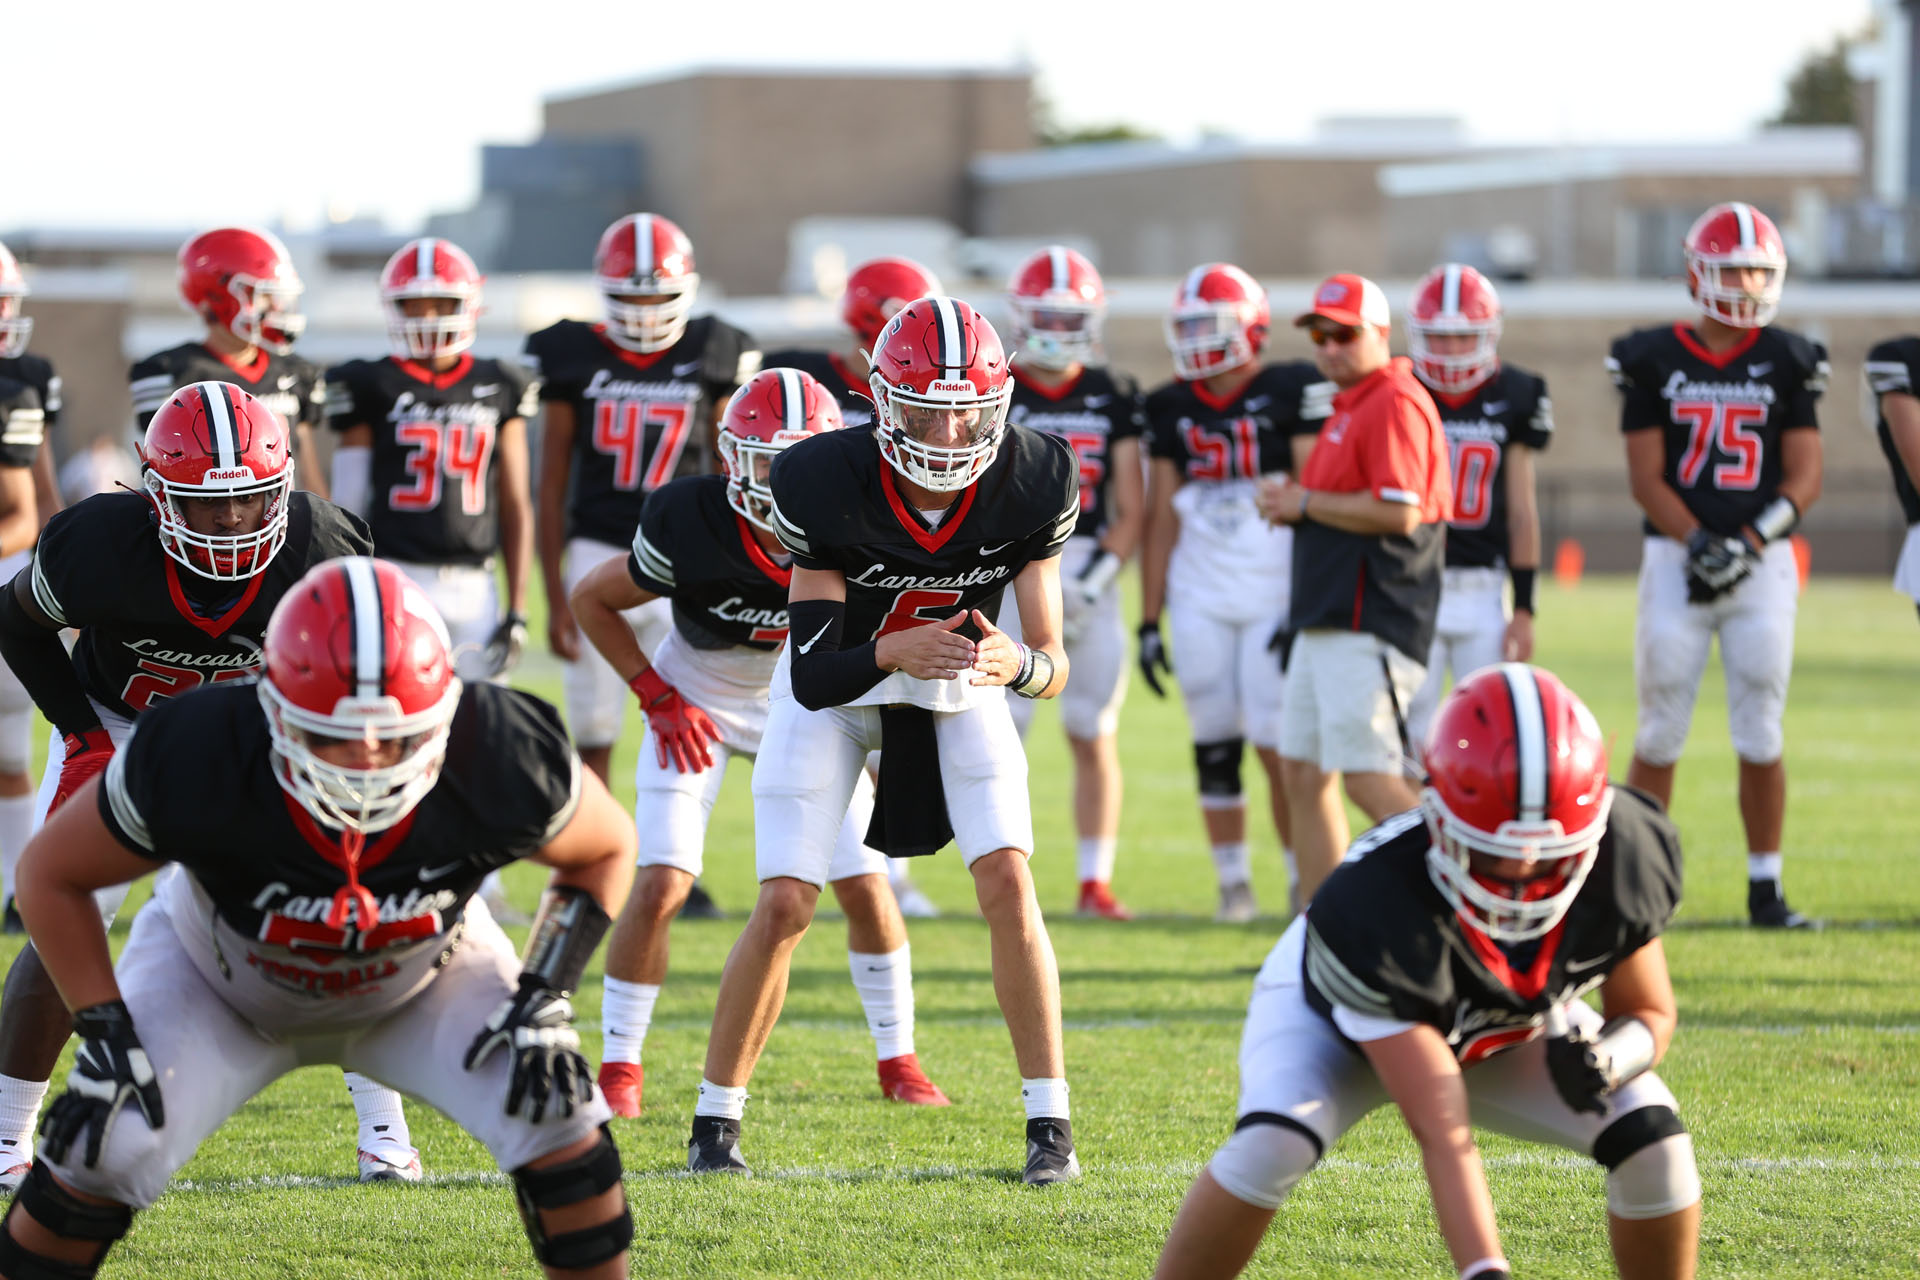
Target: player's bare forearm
{"x": 1646, "y": 476}
{"x": 1640, "y": 987}
{"x": 20, "y": 523}
{"x": 550, "y": 525}
{"x": 1523, "y": 509}
{"x": 1362, "y": 513}
{"x": 46, "y": 489}
{"x": 1802, "y": 467}
{"x": 1161, "y": 532}
{"x": 597, "y": 603}
{"x": 595, "y": 851}
{"x": 1036, "y": 593}
{"x": 1126, "y": 500}
{"x": 516, "y": 512}
{"x": 1902, "y": 412}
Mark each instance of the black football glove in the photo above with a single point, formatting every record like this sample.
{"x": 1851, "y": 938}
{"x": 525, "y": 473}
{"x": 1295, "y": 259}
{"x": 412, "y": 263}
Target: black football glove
{"x": 1153, "y": 657}
{"x": 1716, "y": 564}
{"x": 505, "y": 645}
{"x": 1280, "y": 643}
{"x": 109, "y": 1070}
{"x": 1578, "y": 1074}
{"x": 536, "y": 1024}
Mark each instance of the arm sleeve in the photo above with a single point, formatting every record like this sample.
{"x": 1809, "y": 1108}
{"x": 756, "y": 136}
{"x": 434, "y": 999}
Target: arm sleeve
{"x": 42, "y": 665}
{"x": 823, "y": 674}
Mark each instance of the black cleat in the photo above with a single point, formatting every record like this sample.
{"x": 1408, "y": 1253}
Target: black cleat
{"x": 700, "y": 905}
{"x": 1050, "y": 1157}
{"x": 715, "y": 1147}
{"x": 1767, "y": 908}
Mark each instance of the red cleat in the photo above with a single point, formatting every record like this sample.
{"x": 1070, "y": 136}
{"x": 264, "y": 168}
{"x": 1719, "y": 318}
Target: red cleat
{"x": 1096, "y": 899}
{"x": 902, "y": 1080}
{"x": 621, "y": 1082}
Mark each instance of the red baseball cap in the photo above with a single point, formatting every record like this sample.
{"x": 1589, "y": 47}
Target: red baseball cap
{"x": 1347, "y": 299}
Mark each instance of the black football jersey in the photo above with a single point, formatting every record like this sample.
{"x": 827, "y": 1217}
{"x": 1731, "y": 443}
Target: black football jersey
{"x": 1382, "y": 941}
{"x": 1722, "y": 415}
{"x": 639, "y": 420}
{"x": 23, "y": 423}
{"x": 1511, "y": 407}
{"x": 697, "y": 551}
{"x": 1892, "y": 367}
{"x": 1096, "y": 410}
{"x": 195, "y": 785}
{"x": 151, "y": 629}
{"x": 836, "y": 507}
{"x": 37, "y": 372}
{"x": 831, "y": 370}
{"x": 1247, "y": 436}
{"x": 434, "y": 437}
{"x": 289, "y": 385}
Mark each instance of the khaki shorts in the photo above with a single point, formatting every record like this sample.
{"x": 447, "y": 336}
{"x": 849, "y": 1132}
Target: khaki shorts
{"x": 1339, "y": 713}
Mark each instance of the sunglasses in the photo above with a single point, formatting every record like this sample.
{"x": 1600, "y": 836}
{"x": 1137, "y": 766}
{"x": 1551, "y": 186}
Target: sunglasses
{"x": 1338, "y": 335}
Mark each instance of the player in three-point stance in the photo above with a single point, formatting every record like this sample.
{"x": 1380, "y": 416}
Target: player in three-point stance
{"x": 1441, "y": 968}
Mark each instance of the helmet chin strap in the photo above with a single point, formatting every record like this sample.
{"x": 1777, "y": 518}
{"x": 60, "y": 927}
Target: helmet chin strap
{"x": 353, "y": 896}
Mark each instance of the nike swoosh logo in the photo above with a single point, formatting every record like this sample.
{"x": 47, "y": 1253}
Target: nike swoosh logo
{"x": 1094, "y": 402}
{"x": 890, "y": 1022}
{"x": 987, "y": 551}
{"x": 1582, "y": 966}
{"x": 1496, "y": 407}
{"x": 1760, "y": 370}
{"x": 1257, "y": 403}
{"x": 682, "y": 370}
{"x": 435, "y": 873}
{"x": 808, "y": 646}
{"x": 485, "y": 389}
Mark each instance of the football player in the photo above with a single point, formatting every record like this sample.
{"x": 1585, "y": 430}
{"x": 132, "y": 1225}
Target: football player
{"x": 169, "y": 589}
{"x": 1222, "y": 423}
{"x": 707, "y": 544}
{"x": 1442, "y": 967}
{"x": 1496, "y": 416}
{"x": 904, "y": 541}
{"x": 874, "y": 291}
{"x": 1724, "y": 456}
{"x": 1058, "y": 303}
{"x": 242, "y": 284}
{"x": 1891, "y": 369}
{"x": 323, "y": 832}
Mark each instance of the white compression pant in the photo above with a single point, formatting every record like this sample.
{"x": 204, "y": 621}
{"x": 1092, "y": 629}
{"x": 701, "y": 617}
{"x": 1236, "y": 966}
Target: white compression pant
{"x": 1469, "y": 633}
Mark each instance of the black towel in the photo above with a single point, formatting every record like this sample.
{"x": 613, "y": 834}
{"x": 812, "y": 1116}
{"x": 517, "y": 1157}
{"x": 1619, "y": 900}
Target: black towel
{"x": 910, "y": 804}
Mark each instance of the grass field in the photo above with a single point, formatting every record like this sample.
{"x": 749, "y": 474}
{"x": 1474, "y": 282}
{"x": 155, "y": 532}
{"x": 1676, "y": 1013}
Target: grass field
{"x": 1797, "y": 1062}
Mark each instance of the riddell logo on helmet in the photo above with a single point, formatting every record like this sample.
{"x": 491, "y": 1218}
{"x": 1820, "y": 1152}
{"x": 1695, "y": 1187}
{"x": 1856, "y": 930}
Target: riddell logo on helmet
{"x": 951, "y": 386}
{"x": 228, "y": 474}
{"x": 1332, "y": 293}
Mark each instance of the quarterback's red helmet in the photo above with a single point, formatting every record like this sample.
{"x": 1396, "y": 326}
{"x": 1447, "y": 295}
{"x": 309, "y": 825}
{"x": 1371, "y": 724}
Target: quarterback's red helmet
{"x": 645, "y": 255}
{"x": 1454, "y": 300}
{"x": 1219, "y": 321}
{"x": 212, "y": 440}
{"x": 1058, "y": 303}
{"x": 939, "y": 366}
{"x": 878, "y": 288}
{"x": 430, "y": 268}
{"x": 243, "y": 279}
{"x": 774, "y": 409}
{"x": 15, "y": 328}
{"x": 1722, "y": 243}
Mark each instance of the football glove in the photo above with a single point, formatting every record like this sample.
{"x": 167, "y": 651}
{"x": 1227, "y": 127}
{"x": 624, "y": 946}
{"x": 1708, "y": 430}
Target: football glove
{"x": 1153, "y": 657}
{"x": 549, "y": 1071}
{"x": 506, "y": 644}
{"x": 1575, "y": 1067}
{"x": 681, "y": 731}
{"x": 110, "y": 1069}
{"x": 1280, "y": 644}
{"x": 88, "y": 752}
{"x": 1716, "y": 564}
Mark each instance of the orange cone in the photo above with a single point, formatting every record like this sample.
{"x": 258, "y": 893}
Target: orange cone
{"x": 1802, "y": 558}
{"x": 1569, "y": 562}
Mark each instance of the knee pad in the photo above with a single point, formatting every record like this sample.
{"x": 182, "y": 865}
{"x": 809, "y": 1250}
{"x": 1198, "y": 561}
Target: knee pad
{"x": 1648, "y": 1156}
{"x": 1266, "y": 1155}
{"x": 557, "y": 1185}
{"x": 64, "y": 1214}
{"x": 1219, "y": 767}
{"x": 1753, "y": 722}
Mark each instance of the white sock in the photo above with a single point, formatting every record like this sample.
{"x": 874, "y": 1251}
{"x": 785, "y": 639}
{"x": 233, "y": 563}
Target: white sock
{"x": 626, "y": 1011}
{"x": 885, "y": 984}
{"x": 382, "y": 1126}
{"x": 16, "y": 827}
{"x": 724, "y": 1101}
{"x": 1096, "y": 858}
{"x": 1765, "y": 866}
{"x": 1292, "y": 864}
{"x": 1234, "y": 865}
{"x": 1046, "y": 1099}
{"x": 19, "y": 1110}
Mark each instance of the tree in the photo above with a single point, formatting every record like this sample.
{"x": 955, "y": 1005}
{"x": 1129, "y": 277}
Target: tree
{"x": 1048, "y": 130}
{"x": 1820, "y": 91}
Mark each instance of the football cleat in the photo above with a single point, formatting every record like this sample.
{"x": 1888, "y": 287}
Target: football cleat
{"x": 1767, "y": 908}
{"x": 1236, "y": 904}
{"x": 621, "y": 1082}
{"x": 1097, "y": 900}
{"x": 700, "y": 905}
{"x": 715, "y": 1147}
{"x": 12, "y": 1177}
{"x": 914, "y": 903}
{"x": 902, "y": 1080}
{"x": 375, "y": 1168}
{"x": 1050, "y": 1156}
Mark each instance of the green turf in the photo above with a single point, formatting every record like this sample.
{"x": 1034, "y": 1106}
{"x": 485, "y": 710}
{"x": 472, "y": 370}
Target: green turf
{"x": 1797, "y": 1062}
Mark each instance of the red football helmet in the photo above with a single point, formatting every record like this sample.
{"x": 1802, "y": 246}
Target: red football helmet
{"x": 877, "y": 289}
{"x": 1454, "y": 300}
{"x": 355, "y": 653}
{"x": 243, "y": 279}
{"x": 430, "y": 268}
{"x": 1058, "y": 304}
{"x": 939, "y": 361}
{"x": 1724, "y": 240}
{"x": 212, "y": 440}
{"x": 14, "y": 327}
{"x": 643, "y": 254}
{"x": 774, "y": 409}
{"x": 1516, "y": 773}
{"x": 1219, "y": 321}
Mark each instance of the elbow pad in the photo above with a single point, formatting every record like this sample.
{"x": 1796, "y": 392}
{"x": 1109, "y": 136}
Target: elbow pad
{"x": 353, "y": 478}
{"x": 824, "y": 675}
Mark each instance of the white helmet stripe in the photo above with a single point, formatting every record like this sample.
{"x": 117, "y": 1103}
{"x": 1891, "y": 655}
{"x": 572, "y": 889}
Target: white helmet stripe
{"x": 643, "y": 264}
{"x": 953, "y": 343}
{"x": 369, "y": 636}
{"x": 1062, "y": 273}
{"x": 423, "y": 259}
{"x": 1743, "y": 214}
{"x": 793, "y": 401}
{"x": 1530, "y": 740}
{"x": 1450, "y": 291}
{"x": 1190, "y": 287}
{"x": 219, "y": 402}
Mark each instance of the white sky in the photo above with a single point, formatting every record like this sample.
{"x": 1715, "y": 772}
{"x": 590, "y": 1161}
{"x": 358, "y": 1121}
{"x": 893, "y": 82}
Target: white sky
{"x": 146, "y": 118}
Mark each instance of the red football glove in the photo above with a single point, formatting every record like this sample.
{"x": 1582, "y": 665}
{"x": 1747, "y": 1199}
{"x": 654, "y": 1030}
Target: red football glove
{"x": 680, "y": 729}
{"x": 87, "y": 754}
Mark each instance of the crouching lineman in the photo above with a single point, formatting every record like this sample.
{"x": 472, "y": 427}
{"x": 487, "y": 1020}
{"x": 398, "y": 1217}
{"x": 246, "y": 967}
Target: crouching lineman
{"x": 1441, "y": 967}
{"x": 331, "y": 823}
{"x": 904, "y": 542}
{"x": 706, "y": 543}
{"x": 169, "y": 589}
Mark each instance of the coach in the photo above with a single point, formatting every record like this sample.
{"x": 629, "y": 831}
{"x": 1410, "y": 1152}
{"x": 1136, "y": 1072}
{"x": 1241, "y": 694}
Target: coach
{"x": 1369, "y": 512}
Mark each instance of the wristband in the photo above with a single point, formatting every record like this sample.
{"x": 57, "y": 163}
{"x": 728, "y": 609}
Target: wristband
{"x": 649, "y": 687}
{"x": 1522, "y": 587}
{"x": 1624, "y": 1050}
{"x": 1777, "y": 519}
{"x": 1035, "y": 674}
